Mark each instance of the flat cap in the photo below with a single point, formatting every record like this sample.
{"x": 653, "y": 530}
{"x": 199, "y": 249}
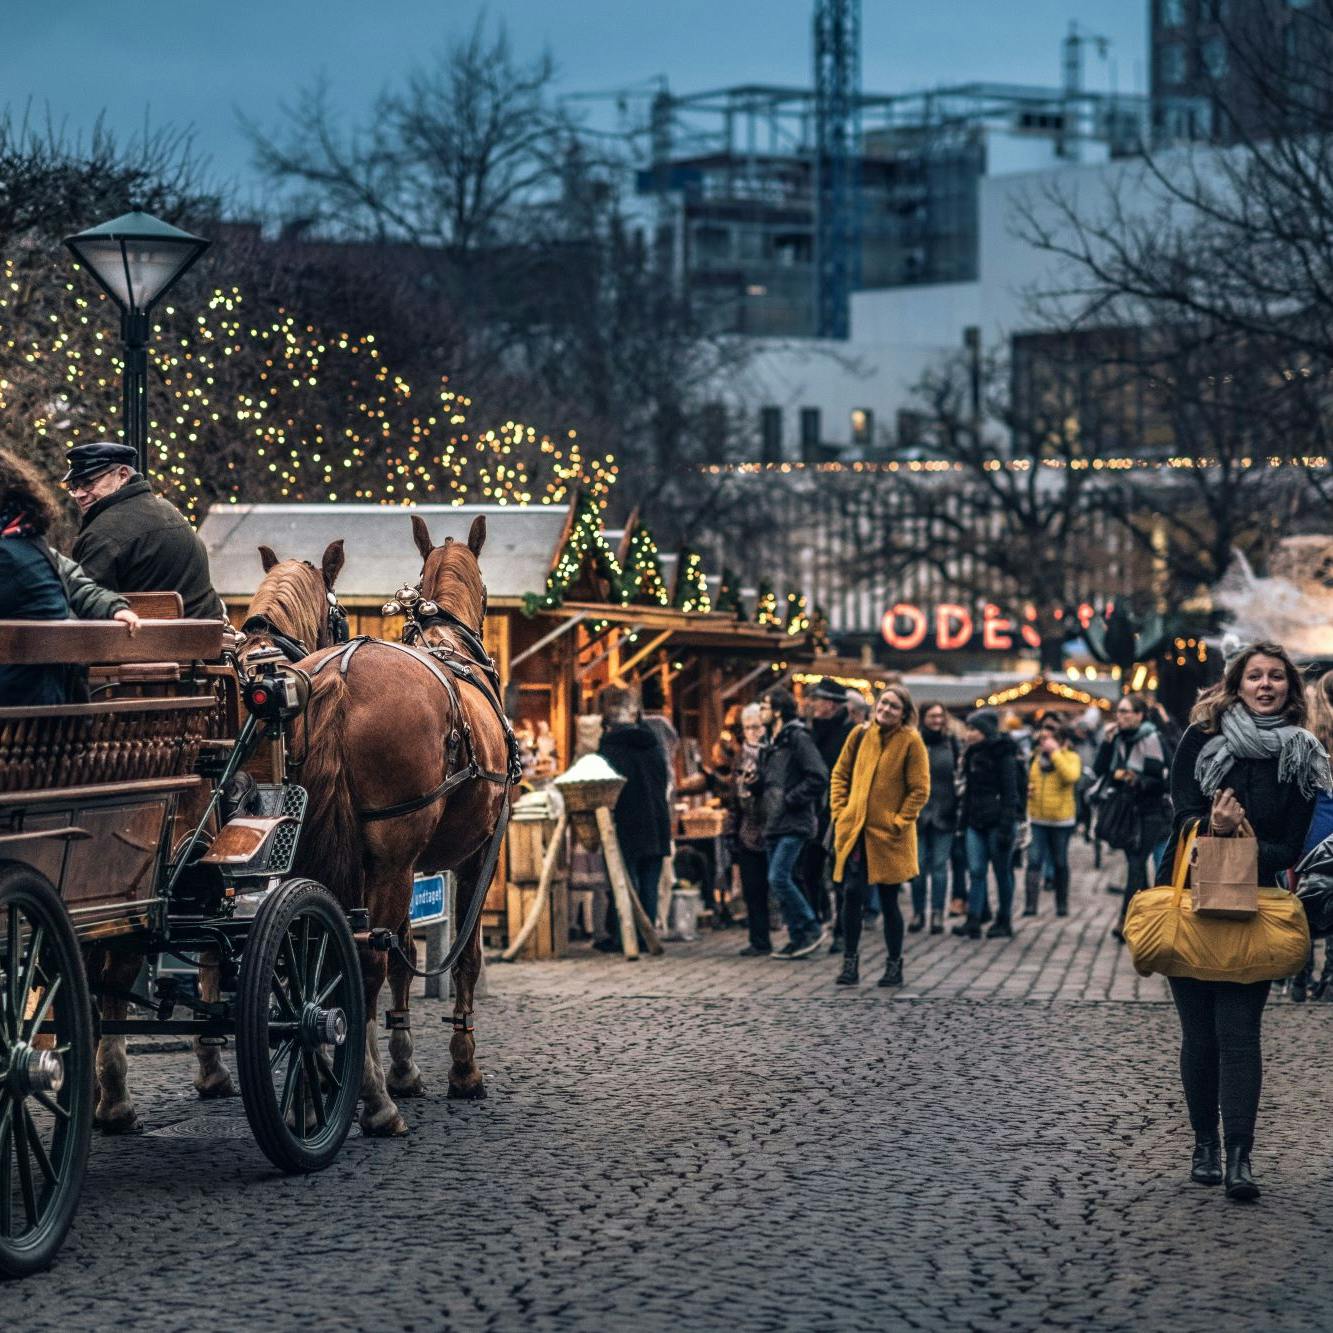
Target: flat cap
{"x": 89, "y": 460}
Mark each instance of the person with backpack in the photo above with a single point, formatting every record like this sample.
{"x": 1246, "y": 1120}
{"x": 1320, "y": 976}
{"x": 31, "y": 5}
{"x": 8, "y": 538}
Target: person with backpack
{"x": 989, "y": 817}
{"x": 1132, "y": 810}
{"x": 879, "y": 786}
{"x": 938, "y": 820}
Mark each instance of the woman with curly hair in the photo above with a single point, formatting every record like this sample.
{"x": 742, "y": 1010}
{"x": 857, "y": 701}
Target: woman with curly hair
{"x": 1247, "y": 756}
{"x": 37, "y": 583}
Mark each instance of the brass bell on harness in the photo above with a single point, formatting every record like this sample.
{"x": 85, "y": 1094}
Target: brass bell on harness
{"x": 427, "y": 608}
{"x": 407, "y": 596}
{"x": 391, "y": 609}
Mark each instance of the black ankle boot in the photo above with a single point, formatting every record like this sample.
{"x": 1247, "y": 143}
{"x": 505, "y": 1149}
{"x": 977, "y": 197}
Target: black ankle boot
{"x": 893, "y": 973}
{"x": 1240, "y": 1183}
{"x": 851, "y": 970}
{"x": 1207, "y": 1166}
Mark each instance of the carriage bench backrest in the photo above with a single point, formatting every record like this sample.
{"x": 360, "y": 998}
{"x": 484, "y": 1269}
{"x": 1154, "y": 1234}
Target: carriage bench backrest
{"x": 91, "y": 642}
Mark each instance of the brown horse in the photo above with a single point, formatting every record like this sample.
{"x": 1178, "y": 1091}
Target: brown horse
{"x": 293, "y": 606}
{"x": 385, "y": 735}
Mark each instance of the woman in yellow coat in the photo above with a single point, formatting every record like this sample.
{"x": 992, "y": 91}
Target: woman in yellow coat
{"x": 878, "y": 787}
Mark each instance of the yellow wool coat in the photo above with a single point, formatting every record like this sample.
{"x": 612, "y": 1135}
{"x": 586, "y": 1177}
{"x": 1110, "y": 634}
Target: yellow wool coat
{"x": 879, "y": 787}
{"x": 1051, "y": 793}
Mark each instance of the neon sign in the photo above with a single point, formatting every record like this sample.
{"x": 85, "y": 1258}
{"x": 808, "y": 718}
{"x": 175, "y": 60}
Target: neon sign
{"x": 951, "y": 627}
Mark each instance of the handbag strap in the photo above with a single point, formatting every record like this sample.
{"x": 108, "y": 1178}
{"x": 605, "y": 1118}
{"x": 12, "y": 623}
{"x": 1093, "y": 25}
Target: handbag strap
{"x": 1189, "y": 835}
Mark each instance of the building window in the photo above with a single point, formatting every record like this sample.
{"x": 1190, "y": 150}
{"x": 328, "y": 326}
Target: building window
{"x": 1173, "y": 13}
{"x": 863, "y": 427}
{"x": 1214, "y": 52}
{"x": 1171, "y": 62}
{"x": 770, "y": 434}
{"x": 810, "y": 434}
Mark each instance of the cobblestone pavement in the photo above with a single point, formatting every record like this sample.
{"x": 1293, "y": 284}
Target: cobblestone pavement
{"x": 653, "y": 1156}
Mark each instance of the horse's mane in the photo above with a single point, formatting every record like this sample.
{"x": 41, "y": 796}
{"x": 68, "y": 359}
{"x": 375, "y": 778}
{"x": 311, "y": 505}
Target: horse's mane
{"x": 291, "y": 598}
{"x": 452, "y": 578}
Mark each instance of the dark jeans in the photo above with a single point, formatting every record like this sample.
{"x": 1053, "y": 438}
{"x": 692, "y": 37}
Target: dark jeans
{"x": 987, "y": 848}
{"x": 644, "y": 874}
{"x": 811, "y": 874}
{"x": 855, "y": 890}
{"x": 1049, "y": 849}
{"x": 958, "y": 866}
{"x": 1136, "y": 877}
{"x": 754, "y": 887}
{"x": 783, "y": 857}
{"x": 1221, "y": 1062}
{"x": 933, "y": 846}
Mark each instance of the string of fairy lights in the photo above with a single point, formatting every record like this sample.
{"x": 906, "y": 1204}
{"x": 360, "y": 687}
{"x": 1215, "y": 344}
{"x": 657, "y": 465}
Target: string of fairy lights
{"x": 1310, "y": 462}
{"x": 249, "y": 404}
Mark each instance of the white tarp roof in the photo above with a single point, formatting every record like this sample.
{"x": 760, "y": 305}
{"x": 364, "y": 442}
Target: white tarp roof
{"x": 381, "y": 556}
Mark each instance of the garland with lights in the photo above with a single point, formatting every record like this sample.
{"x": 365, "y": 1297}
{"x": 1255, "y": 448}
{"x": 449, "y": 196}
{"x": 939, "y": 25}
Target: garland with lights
{"x": 691, "y": 583}
{"x": 584, "y": 545}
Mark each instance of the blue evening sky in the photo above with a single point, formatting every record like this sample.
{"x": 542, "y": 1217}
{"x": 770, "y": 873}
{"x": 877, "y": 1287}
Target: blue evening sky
{"x": 191, "y": 63}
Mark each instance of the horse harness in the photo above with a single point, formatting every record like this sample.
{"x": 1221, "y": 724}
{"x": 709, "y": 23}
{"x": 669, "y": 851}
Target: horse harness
{"x": 448, "y": 667}
{"x": 292, "y": 648}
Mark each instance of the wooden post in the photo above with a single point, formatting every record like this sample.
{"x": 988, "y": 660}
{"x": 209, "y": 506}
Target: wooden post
{"x": 621, "y": 889}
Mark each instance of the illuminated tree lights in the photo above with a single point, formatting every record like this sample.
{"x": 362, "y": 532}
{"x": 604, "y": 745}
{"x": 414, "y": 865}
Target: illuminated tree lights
{"x": 766, "y": 606}
{"x": 585, "y": 541}
{"x": 251, "y": 406}
{"x": 692, "y": 583}
{"x": 643, "y": 581}
{"x": 729, "y": 595}
{"x": 798, "y": 617}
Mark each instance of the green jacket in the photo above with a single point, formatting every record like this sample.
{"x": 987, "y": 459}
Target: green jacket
{"x": 135, "y": 541}
{"x": 87, "y": 600}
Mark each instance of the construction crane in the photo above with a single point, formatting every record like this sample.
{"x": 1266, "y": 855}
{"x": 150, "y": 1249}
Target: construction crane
{"x": 837, "y": 162}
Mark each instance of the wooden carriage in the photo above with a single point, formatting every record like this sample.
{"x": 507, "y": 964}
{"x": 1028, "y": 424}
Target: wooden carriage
{"x": 129, "y": 829}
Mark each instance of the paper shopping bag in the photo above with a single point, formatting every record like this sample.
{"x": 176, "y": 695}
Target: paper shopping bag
{"x": 1224, "y": 876}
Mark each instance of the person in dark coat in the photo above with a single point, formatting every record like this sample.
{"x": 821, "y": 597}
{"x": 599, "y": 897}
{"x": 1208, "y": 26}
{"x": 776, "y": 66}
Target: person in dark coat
{"x": 937, "y": 823}
{"x": 1246, "y": 756}
{"x": 642, "y": 817}
{"x": 988, "y": 815}
{"x": 38, "y": 583}
{"x": 132, "y": 540}
{"x": 830, "y": 725}
{"x": 790, "y": 785}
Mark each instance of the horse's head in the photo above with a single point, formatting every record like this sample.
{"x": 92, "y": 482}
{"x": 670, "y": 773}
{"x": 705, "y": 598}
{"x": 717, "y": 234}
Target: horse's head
{"x": 450, "y": 574}
{"x": 294, "y": 608}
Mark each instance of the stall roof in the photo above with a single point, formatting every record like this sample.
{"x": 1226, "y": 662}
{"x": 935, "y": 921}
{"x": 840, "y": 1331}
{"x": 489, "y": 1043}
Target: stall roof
{"x": 520, "y": 541}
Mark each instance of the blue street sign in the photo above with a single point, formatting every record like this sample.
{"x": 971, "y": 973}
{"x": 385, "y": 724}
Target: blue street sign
{"x": 429, "y": 904}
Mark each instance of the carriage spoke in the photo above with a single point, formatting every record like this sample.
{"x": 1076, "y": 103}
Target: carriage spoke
{"x": 282, "y": 998}
{"x": 283, "y": 1049}
{"x": 6, "y": 1185}
{"x": 294, "y": 986}
{"x": 12, "y": 970}
{"x": 44, "y": 1098}
{"x": 25, "y": 986}
{"x": 40, "y": 1017}
{"x": 25, "y": 1170}
{"x": 311, "y": 1083}
{"x": 289, "y": 1085}
{"x": 38, "y": 1148}
{"x": 329, "y": 989}
{"x": 312, "y": 978}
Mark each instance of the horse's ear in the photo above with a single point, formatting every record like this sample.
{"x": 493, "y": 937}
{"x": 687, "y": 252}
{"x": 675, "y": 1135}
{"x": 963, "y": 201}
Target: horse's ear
{"x": 421, "y": 535}
{"x": 333, "y": 562}
{"x": 476, "y": 534}
{"x": 267, "y": 556}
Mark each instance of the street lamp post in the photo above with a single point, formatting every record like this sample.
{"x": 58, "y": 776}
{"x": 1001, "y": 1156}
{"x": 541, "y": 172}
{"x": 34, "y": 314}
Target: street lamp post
{"x": 136, "y": 259}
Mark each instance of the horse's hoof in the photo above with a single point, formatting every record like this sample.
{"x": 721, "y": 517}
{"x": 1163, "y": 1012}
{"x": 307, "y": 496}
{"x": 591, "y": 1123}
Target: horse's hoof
{"x": 122, "y": 1119}
{"x": 386, "y": 1124}
{"x": 412, "y": 1086}
{"x": 217, "y": 1084}
{"x": 473, "y": 1090}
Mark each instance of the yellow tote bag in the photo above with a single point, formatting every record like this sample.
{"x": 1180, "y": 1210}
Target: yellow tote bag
{"x": 1166, "y": 936}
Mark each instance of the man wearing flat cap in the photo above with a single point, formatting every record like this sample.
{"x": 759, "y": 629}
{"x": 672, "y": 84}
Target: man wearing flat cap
{"x": 132, "y": 540}
{"x": 829, "y": 726}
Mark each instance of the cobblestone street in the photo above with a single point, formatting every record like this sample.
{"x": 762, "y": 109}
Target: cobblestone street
{"x": 701, "y": 1141}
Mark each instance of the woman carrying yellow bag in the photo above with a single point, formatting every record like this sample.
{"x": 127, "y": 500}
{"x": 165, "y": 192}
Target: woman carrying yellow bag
{"x": 1245, "y": 757}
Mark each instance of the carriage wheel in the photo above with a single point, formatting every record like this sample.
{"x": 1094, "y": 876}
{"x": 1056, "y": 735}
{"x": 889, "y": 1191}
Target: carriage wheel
{"x": 300, "y": 1027}
{"x": 46, "y": 1076}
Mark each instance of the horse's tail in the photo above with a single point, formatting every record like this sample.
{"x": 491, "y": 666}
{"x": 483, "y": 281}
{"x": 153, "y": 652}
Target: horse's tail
{"x": 331, "y": 838}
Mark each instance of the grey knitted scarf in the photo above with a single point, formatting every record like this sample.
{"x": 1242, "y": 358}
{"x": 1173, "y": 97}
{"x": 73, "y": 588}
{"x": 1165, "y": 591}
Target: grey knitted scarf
{"x": 1300, "y": 757}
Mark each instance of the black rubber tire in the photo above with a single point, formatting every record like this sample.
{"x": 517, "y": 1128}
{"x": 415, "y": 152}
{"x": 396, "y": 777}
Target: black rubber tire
{"x": 278, "y": 975}
{"x": 58, "y": 1125}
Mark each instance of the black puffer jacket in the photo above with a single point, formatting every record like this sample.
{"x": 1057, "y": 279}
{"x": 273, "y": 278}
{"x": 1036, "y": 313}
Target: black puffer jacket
{"x": 135, "y": 541}
{"x": 643, "y": 821}
{"x": 792, "y": 784}
{"x": 1278, "y": 813}
{"x": 990, "y": 785}
{"x": 941, "y": 810}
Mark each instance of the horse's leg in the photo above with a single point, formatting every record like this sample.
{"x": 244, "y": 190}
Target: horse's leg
{"x": 212, "y": 1079}
{"x": 404, "y": 1075}
{"x": 115, "y": 1113}
{"x": 379, "y": 1114}
{"x": 465, "y": 1078}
